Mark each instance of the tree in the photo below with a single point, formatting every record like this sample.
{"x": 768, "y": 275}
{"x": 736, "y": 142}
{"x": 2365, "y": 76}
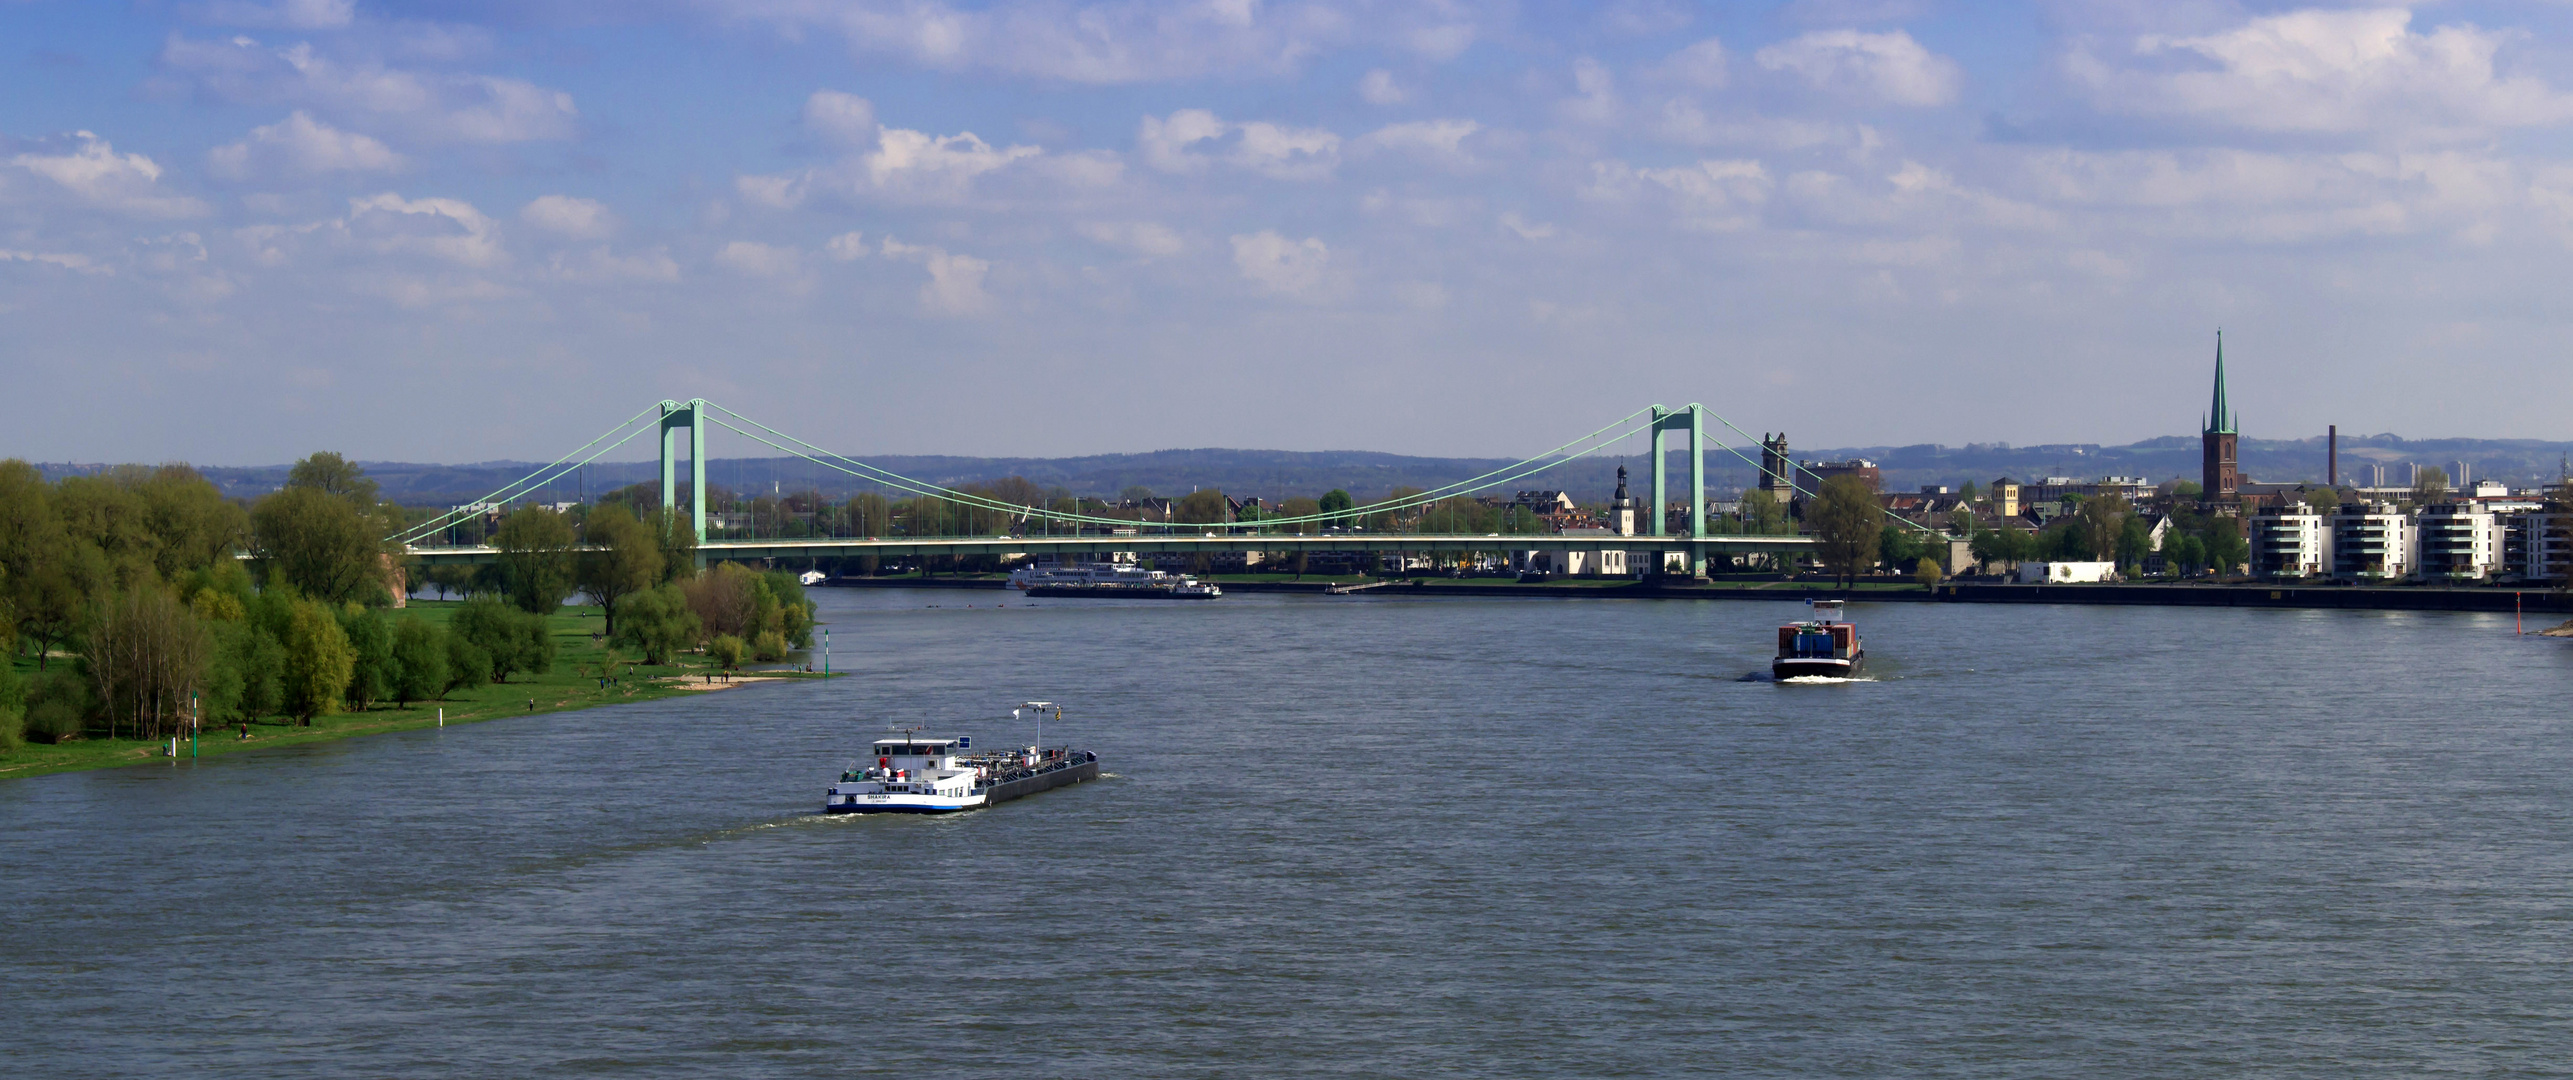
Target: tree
{"x": 145, "y": 654}
{"x": 456, "y": 578}
{"x": 2185, "y": 552}
{"x": 725, "y": 599}
{"x": 1763, "y": 514}
{"x": 678, "y": 540}
{"x": 1927, "y": 572}
{"x": 2134, "y": 542}
{"x": 419, "y": 662}
{"x": 536, "y": 558}
{"x": 1846, "y": 519}
{"x": 320, "y": 544}
{"x": 333, "y": 475}
{"x": 1334, "y": 501}
{"x": 656, "y": 623}
{"x": 2101, "y": 521}
{"x": 499, "y": 632}
{"x": 2187, "y": 489}
{"x": 318, "y": 661}
{"x": 1204, "y": 506}
{"x": 2429, "y": 485}
{"x": 467, "y": 664}
{"x": 373, "y": 674}
{"x": 624, "y": 558}
{"x": 2226, "y": 549}
{"x": 726, "y": 650}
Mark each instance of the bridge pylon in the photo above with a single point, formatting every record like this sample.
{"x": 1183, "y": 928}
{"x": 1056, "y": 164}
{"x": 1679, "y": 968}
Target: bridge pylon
{"x": 1690, "y": 419}
{"x": 690, "y": 418}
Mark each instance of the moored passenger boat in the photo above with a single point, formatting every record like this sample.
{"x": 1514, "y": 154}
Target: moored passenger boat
{"x": 1825, "y": 646}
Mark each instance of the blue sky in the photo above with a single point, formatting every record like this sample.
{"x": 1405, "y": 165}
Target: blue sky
{"x": 235, "y": 231}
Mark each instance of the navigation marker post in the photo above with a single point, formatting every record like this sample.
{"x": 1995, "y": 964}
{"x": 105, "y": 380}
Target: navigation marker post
{"x": 826, "y": 650}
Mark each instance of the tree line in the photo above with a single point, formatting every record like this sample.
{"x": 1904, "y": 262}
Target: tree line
{"x": 144, "y": 601}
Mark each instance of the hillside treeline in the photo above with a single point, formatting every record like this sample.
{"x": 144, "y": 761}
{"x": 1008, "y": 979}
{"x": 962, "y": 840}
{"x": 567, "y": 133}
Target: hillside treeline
{"x": 138, "y": 601}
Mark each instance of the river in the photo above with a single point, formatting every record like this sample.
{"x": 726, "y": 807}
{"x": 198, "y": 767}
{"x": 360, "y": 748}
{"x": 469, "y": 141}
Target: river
{"x": 1372, "y": 836}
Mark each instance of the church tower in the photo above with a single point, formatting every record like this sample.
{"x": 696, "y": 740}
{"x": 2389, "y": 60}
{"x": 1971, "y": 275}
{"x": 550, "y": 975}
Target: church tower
{"x": 2218, "y": 441}
{"x": 1622, "y": 507}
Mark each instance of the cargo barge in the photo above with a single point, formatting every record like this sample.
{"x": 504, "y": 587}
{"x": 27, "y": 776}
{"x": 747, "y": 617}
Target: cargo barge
{"x": 1824, "y": 647}
{"x": 917, "y": 774}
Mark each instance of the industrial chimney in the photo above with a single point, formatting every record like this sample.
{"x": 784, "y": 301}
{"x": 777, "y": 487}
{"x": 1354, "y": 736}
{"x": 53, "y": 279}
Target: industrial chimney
{"x": 2332, "y": 455}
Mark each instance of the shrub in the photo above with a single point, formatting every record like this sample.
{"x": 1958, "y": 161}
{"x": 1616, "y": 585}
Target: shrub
{"x": 726, "y": 650}
{"x": 52, "y": 722}
{"x": 769, "y": 647}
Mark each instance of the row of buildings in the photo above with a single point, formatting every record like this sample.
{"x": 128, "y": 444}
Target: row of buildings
{"x": 2464, "y": 540}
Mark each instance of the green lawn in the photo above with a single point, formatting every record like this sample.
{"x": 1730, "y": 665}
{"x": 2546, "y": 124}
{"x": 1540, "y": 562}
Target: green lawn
{"x": 573, "y": 684}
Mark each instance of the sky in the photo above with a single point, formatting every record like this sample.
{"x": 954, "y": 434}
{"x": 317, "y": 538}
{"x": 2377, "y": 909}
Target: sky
{"x": 237, "y": 231}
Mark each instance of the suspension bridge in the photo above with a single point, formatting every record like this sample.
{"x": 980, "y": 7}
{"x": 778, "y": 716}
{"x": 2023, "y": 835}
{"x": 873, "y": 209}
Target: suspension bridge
{"x": 1046, "y": 530}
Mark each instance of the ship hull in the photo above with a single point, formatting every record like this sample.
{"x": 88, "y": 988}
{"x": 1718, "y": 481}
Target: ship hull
{"x": 900, "y": 803}
{"x": 1818, "y": 668}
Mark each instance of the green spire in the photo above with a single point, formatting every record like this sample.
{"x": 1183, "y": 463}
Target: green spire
{"x": 2220, "y": 420}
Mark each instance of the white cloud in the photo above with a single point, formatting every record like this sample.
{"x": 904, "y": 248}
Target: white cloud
{"x": 1527, "y": 230}
{"x": 846, "y": 121}
{"x": 449, "y": 229}
{"x": 1166, "y": 142}
{"x": 955, "y": 286}
{"x": 904, "y": 165}
{"x": 1437, "y": 138}
{"x": 1287, "y": 153}
{"x": 94, "y": 174}
{"x": 301, "y": 145}
{"x": 847, "y": 247}
{"x": 1718, "y": 195}
{"x": 1703, "y": 66}
{"x": 944, "y": 163}
{"x": 1279, "y": 265}
{"x": 288, "y": 14}
{"x": 1121, "y": 41}
{"x": 458, "y": 107}
{"x": 2330, "y": 71}
{"x": 78, "y": 264}
{"x": 1143, "y": 238}
{"x": 581, "y": 219}
{"x": 600, "y": 265}
{"x": 1595, "y": 97}
{"x": 1379, "y": 88}
{"x": 756, "y": 259}
{"x": 1276, "y": 150}
{"x": 1889, "y": 66}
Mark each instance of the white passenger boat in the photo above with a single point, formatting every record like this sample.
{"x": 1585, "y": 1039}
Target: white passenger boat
{"x": 919, "y": 774}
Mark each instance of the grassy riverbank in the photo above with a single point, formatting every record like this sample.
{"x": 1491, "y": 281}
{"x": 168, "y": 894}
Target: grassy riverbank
{"x": 573, "y": 684}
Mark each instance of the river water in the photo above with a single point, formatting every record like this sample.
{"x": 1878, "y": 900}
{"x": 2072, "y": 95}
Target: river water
{"x": 1373, "y": 836}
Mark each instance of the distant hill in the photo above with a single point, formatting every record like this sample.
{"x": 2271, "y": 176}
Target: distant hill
{"x": 1287, "y": 474}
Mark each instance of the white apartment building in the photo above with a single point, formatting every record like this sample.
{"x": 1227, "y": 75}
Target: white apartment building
{"x": 2538, "y": 545}
{"x": 2373, "y": 542}
{"x": 2290, "y": 540}
{"x": 2460, "y": 541}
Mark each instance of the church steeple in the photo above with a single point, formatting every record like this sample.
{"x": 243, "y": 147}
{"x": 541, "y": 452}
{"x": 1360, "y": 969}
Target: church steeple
{"x": 2220, "y": 418}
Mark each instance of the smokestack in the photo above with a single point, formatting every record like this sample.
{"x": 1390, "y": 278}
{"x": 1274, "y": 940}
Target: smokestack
{"x": 2332, "y": 455}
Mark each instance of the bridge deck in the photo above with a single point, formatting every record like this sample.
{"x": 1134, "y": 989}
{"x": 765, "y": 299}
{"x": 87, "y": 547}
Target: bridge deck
{"x": 828, "y": 548}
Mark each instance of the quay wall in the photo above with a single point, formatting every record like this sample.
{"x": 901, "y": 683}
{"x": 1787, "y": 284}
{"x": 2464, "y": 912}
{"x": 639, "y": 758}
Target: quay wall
{"x": 2240, "y": 596}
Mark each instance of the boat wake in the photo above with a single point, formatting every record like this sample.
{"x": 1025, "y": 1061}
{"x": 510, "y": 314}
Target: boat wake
{"x": 1802, "y": 680}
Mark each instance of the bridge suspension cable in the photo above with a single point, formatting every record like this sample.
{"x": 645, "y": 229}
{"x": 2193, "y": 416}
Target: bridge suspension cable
{"x": 1511, "y": 473}
{"x": 530, "y": 482}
